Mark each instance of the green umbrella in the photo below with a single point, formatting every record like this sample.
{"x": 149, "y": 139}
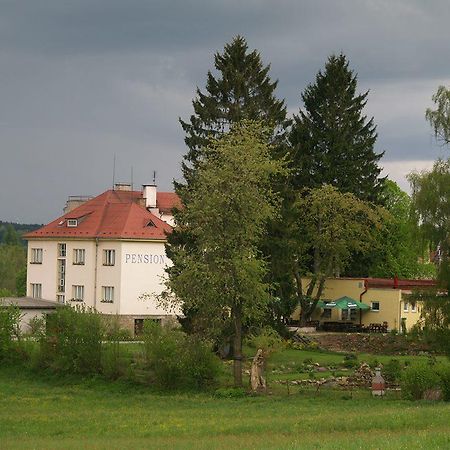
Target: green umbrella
{"x": 347, "y": 303}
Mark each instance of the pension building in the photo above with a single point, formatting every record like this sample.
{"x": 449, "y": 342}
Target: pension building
{"x": 105, "y": 252}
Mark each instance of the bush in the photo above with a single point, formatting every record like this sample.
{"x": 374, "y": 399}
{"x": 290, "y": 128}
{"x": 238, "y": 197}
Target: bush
{"x": 350, "y": 361}
{"x": 231, "y": 392}
{"x": 392, "y": 371}
{"x": 444, "y": 375}
{"x": 72, "y": 342}
{"x": 9, "y": 328}
{"x": 176, "y": 360}
{"x": 267, "y": 339}
{"x": 416, "y": 379}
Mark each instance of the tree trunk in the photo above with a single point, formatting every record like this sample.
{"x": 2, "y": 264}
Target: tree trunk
{"x": 237, "y": 346}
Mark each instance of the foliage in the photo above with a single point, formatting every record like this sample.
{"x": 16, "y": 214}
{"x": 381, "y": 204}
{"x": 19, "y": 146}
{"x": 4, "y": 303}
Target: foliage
{"x": 230, "y": 201}
{"x": 332, "y": 141}
{"x": 239, "y": 89}
{"x": 444, "y": 374}
{"x": 243, "y": 91}
{"x": 21, "y": 282}
{"x": 266, "y": 339}
{"x": 73, "y": 341}
{"x": 12, "y": 262}
{"x": 331, "y": 227}
{"x": 431, "y": 202}
{"x": 417, "y": 379}
{"x": 439, "y": 118}
{"x": 392, "y": 371}
{"x": 396, "y": 247}
{"x": 9, "y": 328}
{"x": 177, "y": 360}
{"x": 230, "y": 392}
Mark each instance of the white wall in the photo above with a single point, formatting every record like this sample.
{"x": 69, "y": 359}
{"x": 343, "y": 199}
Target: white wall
{"x": 143, "y": 266}
{"x": 44, "y": 273}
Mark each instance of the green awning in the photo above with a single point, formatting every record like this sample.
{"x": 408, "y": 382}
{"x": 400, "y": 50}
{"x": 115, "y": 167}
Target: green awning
{"x": 345, "y": 303}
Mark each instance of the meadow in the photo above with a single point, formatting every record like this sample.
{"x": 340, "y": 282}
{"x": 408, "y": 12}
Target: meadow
{"x": 43, "y": 411}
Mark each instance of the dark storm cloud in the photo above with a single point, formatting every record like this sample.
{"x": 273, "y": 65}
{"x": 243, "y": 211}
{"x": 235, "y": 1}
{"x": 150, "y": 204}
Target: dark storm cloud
{"x": 83, "y": 80}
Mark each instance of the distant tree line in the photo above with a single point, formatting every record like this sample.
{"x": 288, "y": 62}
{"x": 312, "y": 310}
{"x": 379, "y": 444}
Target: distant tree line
{"x": 13, "y": 261}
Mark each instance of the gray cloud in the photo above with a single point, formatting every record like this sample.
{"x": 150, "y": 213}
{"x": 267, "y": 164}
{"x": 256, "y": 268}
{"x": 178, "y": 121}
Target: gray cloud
{"x": 82, "y": 81}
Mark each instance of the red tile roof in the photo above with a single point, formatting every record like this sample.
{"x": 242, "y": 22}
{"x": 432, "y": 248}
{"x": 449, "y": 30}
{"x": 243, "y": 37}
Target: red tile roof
{"x": 113, "y": 214}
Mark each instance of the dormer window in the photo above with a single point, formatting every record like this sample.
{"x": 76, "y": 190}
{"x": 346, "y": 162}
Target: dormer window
{"x": 150, "y": 223}
{"x": 72, "y": 222}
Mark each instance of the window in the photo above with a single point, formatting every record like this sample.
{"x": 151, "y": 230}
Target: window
{"x": 405, "y": 307}
{"x": 349, "y": 314}
{"x": 61, "y": 275}
{"x": 413, "y": 307}
{"x": 326, "y": 313}
{"x": 36, "y": 256}
{"x": 79, "y": 255}
{"x": 36, "y": 290}
{"x": 77, "y": 293}
{"x": 375, "y": 306}
{"x": 107, "y": 294}
{"x": 109, "y": 257}
{"x": 72, "y": 222}
{"x": 61, "y": 250}
{"x": 61, "y": 298}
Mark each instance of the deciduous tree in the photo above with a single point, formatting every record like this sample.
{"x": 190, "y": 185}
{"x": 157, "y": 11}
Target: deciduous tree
{"x": 439, "y": 118}
{"x": 230, "y": 201}
{"x": 331, "y": 226}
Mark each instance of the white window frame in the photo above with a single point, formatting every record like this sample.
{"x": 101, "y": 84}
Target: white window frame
{"x": 36, "y": 290}
{"x": 109, "y": 257}
{"x": 405, "y": 306}
{"x": 107, "y": 294}
{"x": 36, "y": 256}
{"x": 72, "y": 223}
{"x": 61, "y": 298}
{"x": 79, "y": 256}
{"x": 77, "y": 293}
{"x": 414, "y": 307}
{"x": 62, "y": 250}
{"x": 372, "y": 307}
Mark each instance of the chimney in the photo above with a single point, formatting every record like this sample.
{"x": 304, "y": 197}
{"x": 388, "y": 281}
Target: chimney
{"x": 149, "y": 193}
{"x": 122, "y": 187}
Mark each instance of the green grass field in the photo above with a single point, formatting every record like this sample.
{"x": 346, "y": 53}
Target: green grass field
{"x": 38, "y": 412}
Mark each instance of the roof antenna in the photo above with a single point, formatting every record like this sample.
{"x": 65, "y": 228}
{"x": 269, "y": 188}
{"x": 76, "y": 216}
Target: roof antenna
{"x": 154, "y": 177}
{"x": 132, "y": 179}
{"x": 114, "y": 172}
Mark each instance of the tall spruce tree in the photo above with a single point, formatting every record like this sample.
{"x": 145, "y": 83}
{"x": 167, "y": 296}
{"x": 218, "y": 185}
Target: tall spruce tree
{"x": 243, "y": 90}
{"x": 332, "y": 140}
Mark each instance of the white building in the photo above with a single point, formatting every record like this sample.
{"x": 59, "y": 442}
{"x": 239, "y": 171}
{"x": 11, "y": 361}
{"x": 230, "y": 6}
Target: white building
{"x": 106, "y": 253}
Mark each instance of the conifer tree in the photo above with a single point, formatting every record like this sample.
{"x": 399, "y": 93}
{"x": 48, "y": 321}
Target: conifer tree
{"x": 332, "y": 140}
{"x": 243, "y": 90}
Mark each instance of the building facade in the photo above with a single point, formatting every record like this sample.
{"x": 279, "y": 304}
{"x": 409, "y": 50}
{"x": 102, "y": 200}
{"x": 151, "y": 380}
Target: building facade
{"x": 389, "y": 301}
{"x": 106, "y": 253}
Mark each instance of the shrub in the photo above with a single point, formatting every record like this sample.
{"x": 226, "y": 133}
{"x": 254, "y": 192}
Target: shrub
{"x": 267, "y": 339}
{"x": 9, "y": 328}
{"x": 392, "y": 371}
{"x": 72, "y": 342}
{"x": 444, "y": 375}
{"x": 350, "y": 361}
{"x": 176, "y": 360}
{"x": 416, "y": 379}
{"x": 230, "y": 392}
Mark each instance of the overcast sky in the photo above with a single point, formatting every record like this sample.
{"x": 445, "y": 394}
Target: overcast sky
{"x": 83, "y": 80}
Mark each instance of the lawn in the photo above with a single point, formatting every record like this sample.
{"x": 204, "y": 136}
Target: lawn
{"x": 46, "y": 413}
